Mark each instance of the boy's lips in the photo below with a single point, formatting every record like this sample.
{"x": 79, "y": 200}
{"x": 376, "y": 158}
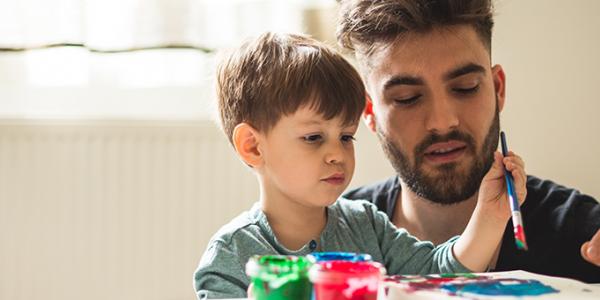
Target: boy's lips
{"x": 335, "y": 179}
{"x": 445, "y": 152}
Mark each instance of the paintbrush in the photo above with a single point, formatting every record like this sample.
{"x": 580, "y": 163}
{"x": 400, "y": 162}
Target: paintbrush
{"x": 517, "y": 219}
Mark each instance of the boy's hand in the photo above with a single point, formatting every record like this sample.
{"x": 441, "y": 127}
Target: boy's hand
{"x": 493, "y": 193}
{"x": 476, "y": 246}
{"x": 249, "y": 292}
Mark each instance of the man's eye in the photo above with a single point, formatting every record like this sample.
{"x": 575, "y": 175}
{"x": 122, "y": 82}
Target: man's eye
{"x": 313, "y": 138}
{"x": 468, "y": 90}
{"x": 407, "y": 101}
{"x": 348, "y": 138}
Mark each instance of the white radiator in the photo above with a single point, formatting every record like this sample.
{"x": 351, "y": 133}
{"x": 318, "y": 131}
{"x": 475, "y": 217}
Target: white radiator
{"x": 112, "y": 210}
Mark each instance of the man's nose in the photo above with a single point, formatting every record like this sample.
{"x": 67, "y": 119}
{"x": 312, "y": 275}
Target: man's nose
{"x": 442, "y": 116}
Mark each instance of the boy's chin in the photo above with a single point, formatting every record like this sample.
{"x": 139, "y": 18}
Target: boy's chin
{"x": 328, "y": 202}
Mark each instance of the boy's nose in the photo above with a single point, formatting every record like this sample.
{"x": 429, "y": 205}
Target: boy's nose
{"x": 442, "y": 116}
{"x": 335, "y": 154}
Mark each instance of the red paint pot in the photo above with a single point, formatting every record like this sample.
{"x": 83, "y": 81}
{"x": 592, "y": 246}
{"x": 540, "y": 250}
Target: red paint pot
{"x": 346, "y": 280}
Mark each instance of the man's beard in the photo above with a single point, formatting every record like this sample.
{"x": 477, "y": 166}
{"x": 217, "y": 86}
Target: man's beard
{"x": 449, "y": 186}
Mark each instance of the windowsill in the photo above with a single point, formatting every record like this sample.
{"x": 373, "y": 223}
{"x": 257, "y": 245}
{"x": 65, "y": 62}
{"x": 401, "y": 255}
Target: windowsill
{"x": 74, "y": 83}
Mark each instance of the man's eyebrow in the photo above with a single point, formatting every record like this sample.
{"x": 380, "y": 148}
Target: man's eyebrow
{"x": 402, "y": 79}
{"x": 466, "y": 69}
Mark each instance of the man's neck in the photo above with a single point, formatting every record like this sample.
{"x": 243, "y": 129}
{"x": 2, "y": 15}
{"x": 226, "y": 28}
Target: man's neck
{"x": 430, "y": 221}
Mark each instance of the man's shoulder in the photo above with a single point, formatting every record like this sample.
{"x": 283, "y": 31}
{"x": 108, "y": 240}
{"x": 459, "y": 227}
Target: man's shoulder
{"x": 544, "y": 193}
{"x": 345, "y": 207}
{"x": 383, "y": 194}
{"x": 373, "y": 191}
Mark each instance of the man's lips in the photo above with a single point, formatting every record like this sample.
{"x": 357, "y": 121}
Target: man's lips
{"x": 335, "y": 179}
{"x": 445, "y": 152}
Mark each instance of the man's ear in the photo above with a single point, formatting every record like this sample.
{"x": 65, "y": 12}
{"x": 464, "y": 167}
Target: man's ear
{"x": 499, "y": 85}
{"x": 368, "y": 115}
{"x": 245, "y": 141}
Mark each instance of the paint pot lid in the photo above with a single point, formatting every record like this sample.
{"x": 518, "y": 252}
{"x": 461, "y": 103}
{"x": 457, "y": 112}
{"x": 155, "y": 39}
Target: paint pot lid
{"x": 268, "y": 267}
{"x": 329, "y": 256}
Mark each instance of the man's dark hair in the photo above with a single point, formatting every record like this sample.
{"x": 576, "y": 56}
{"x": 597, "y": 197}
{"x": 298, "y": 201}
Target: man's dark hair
{"x": 365, "y": 25}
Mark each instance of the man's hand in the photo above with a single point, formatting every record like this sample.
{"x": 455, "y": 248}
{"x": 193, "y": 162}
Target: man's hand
{"x": 590, "y": 250}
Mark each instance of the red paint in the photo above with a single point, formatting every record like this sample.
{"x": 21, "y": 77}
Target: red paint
{"x": 346, "y": 280}
{"x": 519, "y": 233}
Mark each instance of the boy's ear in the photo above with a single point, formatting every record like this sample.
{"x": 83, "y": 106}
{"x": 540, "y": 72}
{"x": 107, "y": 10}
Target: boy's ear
{"x": 499, "y": 85}
{"x": 245, "y": 141}
{"x": 368, "y": 115}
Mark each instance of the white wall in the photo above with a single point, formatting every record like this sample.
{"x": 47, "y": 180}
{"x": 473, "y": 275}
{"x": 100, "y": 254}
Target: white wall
{"x": 549, "y": 51}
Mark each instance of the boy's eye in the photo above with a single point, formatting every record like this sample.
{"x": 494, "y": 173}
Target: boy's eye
{"x": 312, "y": 138}
{"x": 348, "y": 138}
{"x": 467, "y": 90}
{"x": 407, "y": 101}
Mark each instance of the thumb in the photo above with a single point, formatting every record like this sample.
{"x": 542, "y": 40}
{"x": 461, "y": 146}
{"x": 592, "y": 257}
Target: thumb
{"x": 590, "y": 250}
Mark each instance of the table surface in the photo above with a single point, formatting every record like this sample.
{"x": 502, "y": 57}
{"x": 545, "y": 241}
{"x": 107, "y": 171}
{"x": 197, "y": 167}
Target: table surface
{"x": 594, "y": 284}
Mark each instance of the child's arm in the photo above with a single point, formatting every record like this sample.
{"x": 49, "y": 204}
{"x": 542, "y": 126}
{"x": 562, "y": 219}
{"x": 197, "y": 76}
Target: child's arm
{"x": 400, "y": 252}
{"x": 220, "y": 274}
{"x": 482, "y": 236}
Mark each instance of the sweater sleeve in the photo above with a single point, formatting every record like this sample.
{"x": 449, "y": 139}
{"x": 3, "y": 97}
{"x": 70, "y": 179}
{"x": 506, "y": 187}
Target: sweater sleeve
{"x": 405, "y": 254}
{"x": 220, "y": 274}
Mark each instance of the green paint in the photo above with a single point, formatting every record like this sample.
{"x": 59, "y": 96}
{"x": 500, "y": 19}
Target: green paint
{"x": 279, "y": 277}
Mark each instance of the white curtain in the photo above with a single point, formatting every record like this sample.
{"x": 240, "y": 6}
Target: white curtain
{"x": 117, "y": 25}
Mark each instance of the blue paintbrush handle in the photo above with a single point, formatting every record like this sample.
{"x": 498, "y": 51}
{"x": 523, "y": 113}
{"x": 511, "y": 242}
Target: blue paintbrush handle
{"x": 514, "y": 204}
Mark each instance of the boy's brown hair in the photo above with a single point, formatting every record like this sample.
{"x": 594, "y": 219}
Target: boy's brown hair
{"x": 365, "y": 25}
{"x": 275, "y": 74}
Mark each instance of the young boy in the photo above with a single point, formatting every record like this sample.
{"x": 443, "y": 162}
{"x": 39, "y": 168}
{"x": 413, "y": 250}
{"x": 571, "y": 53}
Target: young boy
{"x": 290, "y": 107}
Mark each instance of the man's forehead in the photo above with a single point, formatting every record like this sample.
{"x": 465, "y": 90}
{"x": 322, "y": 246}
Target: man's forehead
{"x": 434, "y": 51}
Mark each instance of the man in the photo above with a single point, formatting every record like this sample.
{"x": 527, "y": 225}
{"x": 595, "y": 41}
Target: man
{"x": 434, "y": 103}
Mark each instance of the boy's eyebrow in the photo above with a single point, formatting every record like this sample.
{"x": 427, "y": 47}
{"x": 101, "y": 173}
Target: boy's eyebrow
{"x": 462, "y": 70}
{"x": 310, "y": 122}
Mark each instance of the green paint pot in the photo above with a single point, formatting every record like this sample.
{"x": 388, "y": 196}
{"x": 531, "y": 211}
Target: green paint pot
{"x": 279, "y": 277}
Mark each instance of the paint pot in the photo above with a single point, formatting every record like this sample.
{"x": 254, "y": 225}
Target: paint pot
{"x": 277, "y": 277}
{"x": 346, "y": 280}
{"x": 316, "y": 257}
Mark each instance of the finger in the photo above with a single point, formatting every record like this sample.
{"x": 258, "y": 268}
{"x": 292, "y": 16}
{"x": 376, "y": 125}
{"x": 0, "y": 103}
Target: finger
{"x": 510, "y": 165}
{"x": 520, "y": 181}
{"x": 584, "y": 249}
{"x": 590, "y": 253}
{"x": 593, "y": 249}
{"x": 250, "y": 294}
{"x": 497, "y": 169}
{"x": 514, "y": 165}
{"x": 515, "y": 159}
